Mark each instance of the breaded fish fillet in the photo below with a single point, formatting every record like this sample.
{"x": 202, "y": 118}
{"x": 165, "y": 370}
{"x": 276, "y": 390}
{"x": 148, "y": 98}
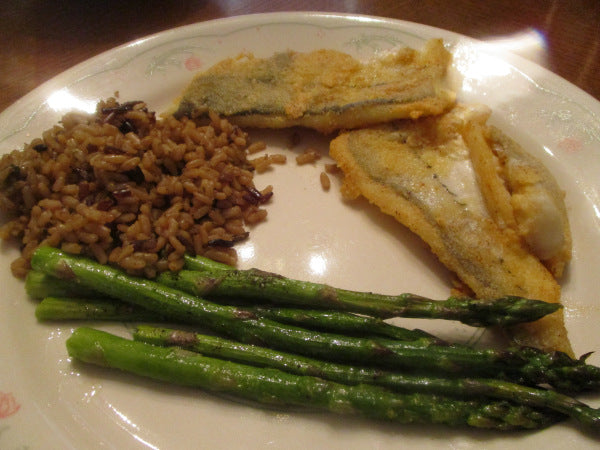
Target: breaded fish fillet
{"x": 518, "y": 190}
{"x": 421, "y": 172}
{"x": 324, "y": 89}
{"x": 537, "y": 202}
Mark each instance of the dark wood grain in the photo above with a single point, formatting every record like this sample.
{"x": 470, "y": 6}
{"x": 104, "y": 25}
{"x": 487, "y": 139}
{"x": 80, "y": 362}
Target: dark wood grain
{"x": 40, "y": 39}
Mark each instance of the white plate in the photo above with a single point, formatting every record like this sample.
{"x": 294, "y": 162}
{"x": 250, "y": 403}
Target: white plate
{"x": 46, "y": 401}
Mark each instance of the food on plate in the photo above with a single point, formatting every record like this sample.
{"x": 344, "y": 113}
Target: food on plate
{"x": 308, "y": 156}
{"x": 128, "y": 189}
{"x": 537, "y": 202}
{"x": 330, "y": 305}
{"x": 277, "y": 289}
{"x": 246, "y": 325}
{"x": 323, "y": 89}
{"x": 325, "y": 181}
{"x": 107, "y": 309}
{"x": 358, "y": 352}
{"x": 463, "y": 388}
{"x": 518, "y": 190}
{"x": 423, "y": 173}
{"x": 115, "y": 209}
{"x": 275, "y": 387}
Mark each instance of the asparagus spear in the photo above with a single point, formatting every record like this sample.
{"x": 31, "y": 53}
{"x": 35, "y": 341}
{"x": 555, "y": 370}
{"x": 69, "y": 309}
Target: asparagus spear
{"x": 39, "y": 285}
{"x": 526, "y": 365}
{"x": 275, "y": 387}
{"x": 202, "y": 263}
{"x": 454, "y": 387}
{"x": 342, "y": 322}
{"x": 73, "y": 308}
{"x": 256, "y": 284}
{"x": 76, "y": 308}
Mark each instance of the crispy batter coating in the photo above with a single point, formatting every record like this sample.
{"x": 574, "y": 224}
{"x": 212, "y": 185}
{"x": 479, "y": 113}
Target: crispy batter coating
{"x": 324, "y": 89}
{"x": 422, "y": 173}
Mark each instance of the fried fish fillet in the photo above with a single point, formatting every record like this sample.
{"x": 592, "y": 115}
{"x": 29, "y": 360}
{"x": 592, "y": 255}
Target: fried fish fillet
{"x": 422, "y": 173}
{"x": 537, "y": 202}
{"x": 519, "y": 191}
{"x": 324, "y": 89}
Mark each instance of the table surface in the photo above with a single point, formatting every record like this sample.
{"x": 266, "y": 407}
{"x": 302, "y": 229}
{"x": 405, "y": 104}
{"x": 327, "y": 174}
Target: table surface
{"x": 40, "y": 40}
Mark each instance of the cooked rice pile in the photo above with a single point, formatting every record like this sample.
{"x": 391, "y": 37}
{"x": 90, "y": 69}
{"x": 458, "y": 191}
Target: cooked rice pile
{"x": 131, "y": 190}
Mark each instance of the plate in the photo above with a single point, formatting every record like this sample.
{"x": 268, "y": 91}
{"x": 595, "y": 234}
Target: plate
{"x": 47, "y": 401}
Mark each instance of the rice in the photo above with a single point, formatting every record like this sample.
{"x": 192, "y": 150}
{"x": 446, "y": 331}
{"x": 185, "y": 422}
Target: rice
{"x": 263, "y": 163}
{"x": 325, "y": 181}
{"x": 308, "y": 156}
{"x": 127, "y": 189}
{"x": 332, "y": 168}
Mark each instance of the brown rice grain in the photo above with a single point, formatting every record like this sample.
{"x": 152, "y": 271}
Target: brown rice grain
{"x": 256, "y": 147}
{"x": 308, "y": 156}
{"x": 325, "y": 181}
{"x": 123, "y": 187}
{"x": 263, "y": 163}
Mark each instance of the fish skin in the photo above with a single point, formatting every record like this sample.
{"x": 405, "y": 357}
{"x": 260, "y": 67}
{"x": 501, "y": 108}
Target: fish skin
{"x": 324, "y": 89}
{"x": 409, "y": 169}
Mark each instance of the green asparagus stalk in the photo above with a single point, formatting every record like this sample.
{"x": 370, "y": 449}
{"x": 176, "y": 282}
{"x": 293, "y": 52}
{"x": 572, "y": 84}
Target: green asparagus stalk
{"x": 342, "y": 322}
{"x": 74, "y": 308}
{"x": 39, "y": 285}
{"x": 202, "y": 263}
{"x": 255, "y": 284}
{"x": 275, "y": 387}
{"x": 526, "y": 365}
{"x": 454, "y": 387}
{"x": 70, "y": 308}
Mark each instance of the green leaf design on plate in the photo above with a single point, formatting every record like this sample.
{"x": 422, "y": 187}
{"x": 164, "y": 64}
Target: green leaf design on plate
{"x": 374, "y": 41}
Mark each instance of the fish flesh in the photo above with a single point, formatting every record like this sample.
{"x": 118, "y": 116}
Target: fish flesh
{"x": 537, "y": 202}
{"x": 426, "y": 175}
{"x": 324, "y": 89}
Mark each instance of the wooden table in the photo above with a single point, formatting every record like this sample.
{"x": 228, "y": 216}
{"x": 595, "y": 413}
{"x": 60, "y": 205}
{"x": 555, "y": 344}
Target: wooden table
{"x": 41, "y": 39}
